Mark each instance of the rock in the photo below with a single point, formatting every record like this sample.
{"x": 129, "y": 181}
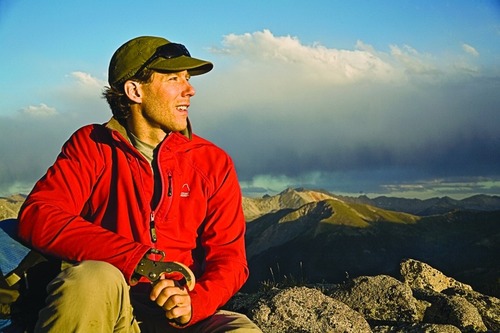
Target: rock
{"x": 419, "y": 275}
{"x": 457, "y": 311}
{"x": 417, "y": 328}
{"x": 487, "y": 306}
{"x": 305, "y": 310}
{"x": 435, "y": 303}
{"x": 379, "y": 298}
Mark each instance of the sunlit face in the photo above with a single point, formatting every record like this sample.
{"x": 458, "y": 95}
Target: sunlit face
{"x": 165, "y": 101}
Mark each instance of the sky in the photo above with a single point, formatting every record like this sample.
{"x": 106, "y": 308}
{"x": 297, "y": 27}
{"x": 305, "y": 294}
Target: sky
{"x": 397, "y": 98}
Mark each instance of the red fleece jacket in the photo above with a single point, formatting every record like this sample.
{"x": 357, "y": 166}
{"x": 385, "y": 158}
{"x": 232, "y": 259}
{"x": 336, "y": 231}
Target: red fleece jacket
{"x": 94, "y": 203}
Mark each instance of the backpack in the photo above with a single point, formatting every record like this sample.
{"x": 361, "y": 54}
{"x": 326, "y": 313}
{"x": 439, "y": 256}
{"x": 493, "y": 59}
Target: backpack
{"x": 25, "y": 275}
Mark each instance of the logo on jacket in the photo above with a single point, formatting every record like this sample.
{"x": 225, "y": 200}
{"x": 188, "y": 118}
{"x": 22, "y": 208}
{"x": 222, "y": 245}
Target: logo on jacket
{"x": 185, "y": 191}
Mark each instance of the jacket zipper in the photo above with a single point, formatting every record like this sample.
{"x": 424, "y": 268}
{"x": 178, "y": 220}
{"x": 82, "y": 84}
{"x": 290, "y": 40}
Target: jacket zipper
{"x": 169, "y": 184}
{"x": 152, "y": 224}
{"x": 152, "y": 227}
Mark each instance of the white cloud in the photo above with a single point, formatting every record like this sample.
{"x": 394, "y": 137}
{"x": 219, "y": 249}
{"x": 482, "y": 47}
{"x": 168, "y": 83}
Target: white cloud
{"x": 87, "y": 80}
{"x": 266, "y": 56}
{"x": 470, "y": 50}
{"x": 412, "y": 61}
{"x": 263, "y": 49}
{"x": 41, "y": 110}
{"x": 273, "y": 64}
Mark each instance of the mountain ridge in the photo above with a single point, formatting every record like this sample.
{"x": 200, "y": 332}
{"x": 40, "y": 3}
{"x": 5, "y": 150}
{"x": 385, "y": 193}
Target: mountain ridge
{"x": 321, "y": 237}
{"x": 9, "y": 206}
{"x": 294, "y": 198}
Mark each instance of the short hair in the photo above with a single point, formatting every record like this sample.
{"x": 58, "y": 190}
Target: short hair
{"x": 117, "y": 99}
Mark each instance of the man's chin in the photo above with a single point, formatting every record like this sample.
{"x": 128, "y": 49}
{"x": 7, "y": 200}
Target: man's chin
{"x": 179, "y": 128}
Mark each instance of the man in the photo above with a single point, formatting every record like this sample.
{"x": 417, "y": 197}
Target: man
{"x": 141, "y": 188}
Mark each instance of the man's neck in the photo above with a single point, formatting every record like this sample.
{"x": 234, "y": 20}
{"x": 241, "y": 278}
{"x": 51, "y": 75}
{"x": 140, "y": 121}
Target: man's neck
{"x": 145, "y": 149}
{"x": 146, "y": 134}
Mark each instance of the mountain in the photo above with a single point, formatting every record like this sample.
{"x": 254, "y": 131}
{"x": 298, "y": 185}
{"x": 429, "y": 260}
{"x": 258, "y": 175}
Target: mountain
{"x": 294, "y": 198}
{"x": 9, "y": 206}
{"x": 432, "y": 206}
{"x": 288, "y": 199}
{"x": 314, "y": 236}
{"x": 313, "y": 219}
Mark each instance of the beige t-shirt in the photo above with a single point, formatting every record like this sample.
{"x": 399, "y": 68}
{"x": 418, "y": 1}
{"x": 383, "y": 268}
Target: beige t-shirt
{"x": 149, "y": 152}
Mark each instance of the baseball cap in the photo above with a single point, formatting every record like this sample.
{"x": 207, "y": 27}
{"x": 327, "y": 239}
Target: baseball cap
{"x": 155, "y": 53}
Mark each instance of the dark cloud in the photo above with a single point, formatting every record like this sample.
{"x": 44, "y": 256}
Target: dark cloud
{"x": 435, "y": 133}
{"x": 404, "y": 120}
{"x": 32, "y": 137}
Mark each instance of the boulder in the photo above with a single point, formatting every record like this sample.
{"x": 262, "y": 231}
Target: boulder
{"x": 419, "y": 275}
{"x": 304, "y": 310}
{"x": 487, "y": 306}
{"x": 457, "y": 311}
{"x": 379, "y": 298}
{"x": 417, "y": 328}
{"x": 426, "y": 302}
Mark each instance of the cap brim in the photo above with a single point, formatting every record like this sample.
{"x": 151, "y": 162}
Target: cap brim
{"x": 192, "y": 65}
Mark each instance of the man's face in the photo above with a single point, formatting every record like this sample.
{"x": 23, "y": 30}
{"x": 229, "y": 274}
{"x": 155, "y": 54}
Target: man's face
{"x": 165, "y": 101}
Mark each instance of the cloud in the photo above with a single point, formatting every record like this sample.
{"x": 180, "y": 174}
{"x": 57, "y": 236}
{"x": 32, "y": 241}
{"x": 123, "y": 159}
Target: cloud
{"x": 352, "y": 120}
{"x": 33, "y": 136}
{"x": 412, "y": 61}
{"x": 470, "y": 50}
{"x": 88, "y": 81}
{"x": 41, "y": 110}
{"x": 264, "y": 50}
{"x": 360, "y": 120}
{"x": 455, "y": 187}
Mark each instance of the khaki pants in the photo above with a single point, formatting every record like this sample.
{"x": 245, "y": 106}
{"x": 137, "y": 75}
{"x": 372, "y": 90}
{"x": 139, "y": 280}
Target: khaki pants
{"x": 94, "y": 297}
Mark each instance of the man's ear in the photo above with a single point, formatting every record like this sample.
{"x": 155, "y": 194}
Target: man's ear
{"x": 133, "y": 91}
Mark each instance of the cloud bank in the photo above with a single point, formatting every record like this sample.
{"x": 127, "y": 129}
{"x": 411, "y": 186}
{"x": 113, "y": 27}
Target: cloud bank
{"x": 360, "y": 120}
{"x": 33, "y": 135}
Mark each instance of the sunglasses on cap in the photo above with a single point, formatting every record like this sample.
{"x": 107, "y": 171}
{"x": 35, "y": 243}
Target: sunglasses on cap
{"x": 167, "y": 51}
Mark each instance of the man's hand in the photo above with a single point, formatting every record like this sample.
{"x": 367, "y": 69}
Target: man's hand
{"x": 173, "y": 299}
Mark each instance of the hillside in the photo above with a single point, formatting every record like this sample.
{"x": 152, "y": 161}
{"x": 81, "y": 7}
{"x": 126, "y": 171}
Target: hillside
{"x": 288, "y": 199}
{"x": 10, "y": 206}
{"x": 313, "y": 219}
{"x": 432, "y": 206}
{"x": 294, "y": 198}
{"x": 330, "y": 238}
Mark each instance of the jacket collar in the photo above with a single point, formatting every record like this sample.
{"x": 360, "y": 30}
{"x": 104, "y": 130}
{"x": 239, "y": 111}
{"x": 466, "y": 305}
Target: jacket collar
{"x": 114, "y": 124}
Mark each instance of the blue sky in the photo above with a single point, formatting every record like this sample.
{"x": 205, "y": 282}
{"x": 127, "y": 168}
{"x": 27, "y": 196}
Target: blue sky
{"x": 393, "y": 98}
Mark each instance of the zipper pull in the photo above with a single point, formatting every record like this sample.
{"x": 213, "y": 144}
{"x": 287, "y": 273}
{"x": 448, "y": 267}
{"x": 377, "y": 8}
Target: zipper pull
{"x": 169, "y": 185}
{"x": 152, "y": 228}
